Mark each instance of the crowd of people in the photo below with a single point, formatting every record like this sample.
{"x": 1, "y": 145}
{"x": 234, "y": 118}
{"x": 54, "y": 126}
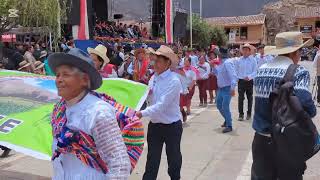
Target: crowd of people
{"x": 25, "y": 57}
{"x": 172, "y": 76}
{"x": 120, "y": 30}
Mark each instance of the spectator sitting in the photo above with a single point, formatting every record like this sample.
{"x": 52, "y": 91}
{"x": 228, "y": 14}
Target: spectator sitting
{"x": 130, "y": 32}
{"x": 28, "y": 56}
{"x": 39, "y": 68}
{"x": 43, "y": 56}
{"x": 25, "y": 66}
{"x": 70, "y": 44}
{"x": 144, "y": 33}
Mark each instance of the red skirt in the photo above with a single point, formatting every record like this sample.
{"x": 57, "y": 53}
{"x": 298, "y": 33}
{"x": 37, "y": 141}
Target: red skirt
{"x": 212, "y": 83}
{"x": 185, "y": 99}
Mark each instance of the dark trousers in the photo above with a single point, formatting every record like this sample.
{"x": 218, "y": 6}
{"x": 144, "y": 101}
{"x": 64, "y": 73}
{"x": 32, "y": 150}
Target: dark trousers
{"x": 245, "y": 88}
{"x": 267, "y": 166}
{"x": 170, "y": 135}
{"x": 318, "y": 82}
{"x": 202, "y": 85}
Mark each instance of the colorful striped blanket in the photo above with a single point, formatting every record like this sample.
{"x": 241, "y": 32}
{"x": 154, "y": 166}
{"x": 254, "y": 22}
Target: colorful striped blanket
{"x": 82, "y": 145}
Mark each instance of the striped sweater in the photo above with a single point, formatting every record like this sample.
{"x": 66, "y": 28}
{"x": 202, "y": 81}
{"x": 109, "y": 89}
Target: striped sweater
{"x": 265, "y": 81}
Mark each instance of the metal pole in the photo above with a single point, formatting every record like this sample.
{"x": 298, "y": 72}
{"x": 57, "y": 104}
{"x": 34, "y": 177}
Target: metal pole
{"x": 50, "y": 41}
{"x": 190, "y": 23}
{"x": 200, "y": 8}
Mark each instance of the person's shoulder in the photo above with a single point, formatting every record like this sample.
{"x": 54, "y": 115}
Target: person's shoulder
{"x": 100, "y": 108}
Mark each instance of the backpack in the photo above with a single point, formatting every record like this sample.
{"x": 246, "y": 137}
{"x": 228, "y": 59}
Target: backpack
{"x": 293, "y": 132}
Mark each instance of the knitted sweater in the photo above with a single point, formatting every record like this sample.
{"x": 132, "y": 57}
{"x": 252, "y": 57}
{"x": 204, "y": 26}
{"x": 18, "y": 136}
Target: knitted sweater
{"x": 265, "y": 81}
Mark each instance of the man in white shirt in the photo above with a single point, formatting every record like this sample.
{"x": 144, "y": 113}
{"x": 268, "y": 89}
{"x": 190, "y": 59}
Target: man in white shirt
{"x": 316, "y": 64}
{"x": 261, "y": 58}
{"x": 194, "y": 58}
{"x": 164, "y": 112}
{"x": 246, "y": 67}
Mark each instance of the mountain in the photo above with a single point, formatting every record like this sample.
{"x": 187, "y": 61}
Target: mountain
{"x": 136, "y": 9}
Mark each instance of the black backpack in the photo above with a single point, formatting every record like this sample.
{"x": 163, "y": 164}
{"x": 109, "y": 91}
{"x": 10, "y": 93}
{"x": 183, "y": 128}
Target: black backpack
{"x": 293, "y": 132}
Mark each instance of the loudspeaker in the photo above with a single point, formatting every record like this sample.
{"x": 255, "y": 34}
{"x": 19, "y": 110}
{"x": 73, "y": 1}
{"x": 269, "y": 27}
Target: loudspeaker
{"x": 101, "y": 9}
{"x": 180, "y": 25}
{"x": 117, "y": 16}
{"x": 158, "y": 16}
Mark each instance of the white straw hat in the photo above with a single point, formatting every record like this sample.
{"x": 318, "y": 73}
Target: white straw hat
{"x": 101, "y": 51}
{"x": 288, "y": 42}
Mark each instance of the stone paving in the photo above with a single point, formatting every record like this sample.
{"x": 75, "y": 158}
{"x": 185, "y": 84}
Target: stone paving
{"x": 207, "y": 153}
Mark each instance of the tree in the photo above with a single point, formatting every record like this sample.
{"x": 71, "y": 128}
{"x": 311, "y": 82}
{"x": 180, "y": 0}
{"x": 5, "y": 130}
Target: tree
{"x": 218, "y": 35}
{"x": 204, "y": 34}
{"x": 7, "y": 21}
{"x": 34, "y": 13}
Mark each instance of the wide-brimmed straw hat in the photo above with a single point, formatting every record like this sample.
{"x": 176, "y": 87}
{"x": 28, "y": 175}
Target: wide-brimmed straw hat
{"x": 79, "y": 59}
{"x": 38, "y": 65}
{"x": 247, "y": 45}
{"x": 43, "y": 54}
{"x": 288, "y": 42}
{"x": 101, "y": 51}
{"x": 168, "y": 53}
{"x": 23, "y": 64}
{"x": 150, "y": 50}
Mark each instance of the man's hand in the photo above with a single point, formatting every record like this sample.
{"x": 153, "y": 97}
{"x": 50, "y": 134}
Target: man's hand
{"x": 233, "y": 93}
{"x": 139, "y": 114}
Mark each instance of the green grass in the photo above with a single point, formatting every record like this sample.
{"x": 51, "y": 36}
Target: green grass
{"x": 11, "y": 105}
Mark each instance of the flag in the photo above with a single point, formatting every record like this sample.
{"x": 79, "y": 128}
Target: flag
{"x": 27, "y": 101}
{"x": 81, "y": 31}
{"x": 169, "y": 21}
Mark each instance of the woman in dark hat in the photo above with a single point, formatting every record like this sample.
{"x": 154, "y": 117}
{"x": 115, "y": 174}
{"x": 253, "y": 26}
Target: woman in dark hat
{"x": 87, "y": 142}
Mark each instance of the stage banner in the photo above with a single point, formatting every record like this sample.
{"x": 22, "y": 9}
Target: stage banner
{"x": 169, "y": 21}
{"x": 26, "y": 104}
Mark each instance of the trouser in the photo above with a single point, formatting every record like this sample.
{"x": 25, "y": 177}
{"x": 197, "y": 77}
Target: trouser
{"x": 223, "y": 104}
{"x": 158, "y": 134}
{"x": 318, "y": 96}
{"x": 245, "y": 87}
{"x": 267, "y": 166}
{"x": 202, "y": 85}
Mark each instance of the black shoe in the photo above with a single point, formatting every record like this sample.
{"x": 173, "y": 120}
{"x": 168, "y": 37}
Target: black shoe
{"x": 184, "y": 115}
{"x": 240, "y": 118}
{"x": 248, "y": 117}
{"x": 5, "y": 153}
{"x": 227, "y": 129}
{"x": 224, "y": 125}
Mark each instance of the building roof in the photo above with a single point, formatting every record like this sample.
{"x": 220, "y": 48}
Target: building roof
{"x": 238, "y": 20}
{"x": 309, "y": 12}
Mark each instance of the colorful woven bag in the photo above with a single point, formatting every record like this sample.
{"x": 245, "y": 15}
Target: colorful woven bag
{"x": 82, "y": 145}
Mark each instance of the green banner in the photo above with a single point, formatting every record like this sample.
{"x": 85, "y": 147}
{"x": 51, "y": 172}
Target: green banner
{"x": 26, "y": 104}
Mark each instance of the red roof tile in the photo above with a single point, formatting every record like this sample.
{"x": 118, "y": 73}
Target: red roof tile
{"x": 307, "y": 12}
{"x": 237, "y": 20}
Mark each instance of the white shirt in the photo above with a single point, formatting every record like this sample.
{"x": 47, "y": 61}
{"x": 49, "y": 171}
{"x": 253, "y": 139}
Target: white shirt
{"x": 246, "y": 67}
{"x": 164, "y": 98}
{"x": 96, "y": 118}
{"x": 263, "y": 59}
{"x": 121, "y": 55}
{"x": 186, "y": 80}
{"x": 204, "y": 70}
{"x": 194, "y": 60}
